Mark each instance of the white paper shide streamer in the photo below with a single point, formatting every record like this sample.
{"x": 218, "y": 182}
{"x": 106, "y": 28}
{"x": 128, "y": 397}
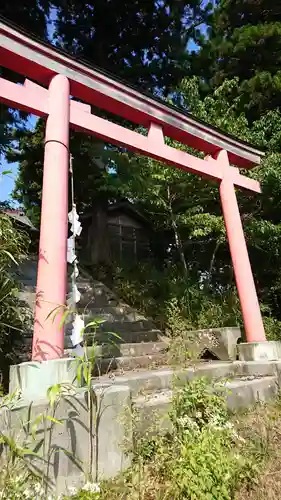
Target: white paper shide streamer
{"x": 77, "y": 330}
{"x": 71, "y": 250}
{"x": 73, "y": 218}
{"x": 75, "y": 296}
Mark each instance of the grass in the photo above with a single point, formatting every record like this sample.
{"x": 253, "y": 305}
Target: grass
{"x": 261, "y": 427}
{"x": 239, "y": 454}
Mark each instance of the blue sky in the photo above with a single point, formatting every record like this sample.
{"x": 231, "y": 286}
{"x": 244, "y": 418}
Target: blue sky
{"x": 7, "y": 181}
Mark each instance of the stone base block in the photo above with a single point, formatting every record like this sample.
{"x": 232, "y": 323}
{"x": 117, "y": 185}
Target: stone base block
{"x": 260, "y": 351}
{"x": 222, "y": 342}
{"x": 34, "y": 378}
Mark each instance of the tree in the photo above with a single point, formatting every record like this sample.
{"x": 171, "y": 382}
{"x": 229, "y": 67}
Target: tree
{"x": 143, "y": 41}
{"x": 31, "y": 15}
{"x": 93, "y": 185}
{"x": 196, "y": 205}
{"x": 260, "y": 215}
{"x": 243, "y": 41}
{"x": 28, "y": 14}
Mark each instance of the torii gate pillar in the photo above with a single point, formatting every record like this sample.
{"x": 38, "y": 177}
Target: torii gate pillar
{"x": 48, "y": 338}
{"x": 240, "y": 259}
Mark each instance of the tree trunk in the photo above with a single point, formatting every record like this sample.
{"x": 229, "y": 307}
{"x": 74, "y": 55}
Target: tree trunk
{"x": 212, "y": 262}
{"x": 177, "y": 235}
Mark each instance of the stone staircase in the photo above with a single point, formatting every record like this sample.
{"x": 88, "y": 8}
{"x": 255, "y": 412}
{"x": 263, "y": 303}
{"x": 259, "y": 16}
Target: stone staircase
{"x": 126, "y": 339}
{"x": 132, "y": 352}
{"x": 132, "y": 356}
{"x": 120, "y": 322}
{"x": 122, "y": 330}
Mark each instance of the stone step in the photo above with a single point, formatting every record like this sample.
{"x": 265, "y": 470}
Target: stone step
{"x": 130, "y": 363}
{"x": 149, "y": 381}
{"x": 118, "y": 332}
{"x": 126, "y": 357}
{"x": 161, "y": 379}
{"x": 121, "y": 326}
{"x": 153, "y": 409}
{"x": 111, "y": 313}
{"x": 126, "y": 337}
{"x": 246, "y": 391}
{"x": 130, "y": 349}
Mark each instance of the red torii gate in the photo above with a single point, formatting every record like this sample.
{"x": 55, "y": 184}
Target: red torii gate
{"x": 64, "y": 76}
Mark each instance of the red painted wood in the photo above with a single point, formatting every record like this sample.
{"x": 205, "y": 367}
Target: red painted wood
{"x": 33, "y": 98}
{"x": 239, "y": 254}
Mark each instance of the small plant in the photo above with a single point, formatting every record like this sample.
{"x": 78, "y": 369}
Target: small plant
{"x": 201, "y": 458}
{"x": 13, "y": 316}
{"x": 90, "y": 491}
{"x": 18, "y": 479}
{"x": 84, "y": 372}
{"x": 197, "y": 404}
{"x": 181, "y": 339}
{"x": 198, "y": 457}
{"x": 19, "y": 485}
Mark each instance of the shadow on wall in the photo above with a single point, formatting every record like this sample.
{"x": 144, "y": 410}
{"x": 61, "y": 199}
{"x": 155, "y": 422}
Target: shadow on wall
{"x": 64, "y": 442}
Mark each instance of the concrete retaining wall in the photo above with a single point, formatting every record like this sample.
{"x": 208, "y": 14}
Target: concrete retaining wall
{"x": 69, "y": 450}
{"x": 97, "y": 443}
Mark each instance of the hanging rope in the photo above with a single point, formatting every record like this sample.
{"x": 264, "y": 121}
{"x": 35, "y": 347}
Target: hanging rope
{"x": 71, "y": 217}
{"x": 75, "y": 296}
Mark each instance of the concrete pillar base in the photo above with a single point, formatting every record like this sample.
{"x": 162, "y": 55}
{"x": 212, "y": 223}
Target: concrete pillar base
{"x": 34, "y": 378}
{"x": 260, "y": 351}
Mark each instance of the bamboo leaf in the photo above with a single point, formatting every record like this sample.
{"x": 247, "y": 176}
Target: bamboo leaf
{"x": 10, "y": 256}
{"x": 53, "y": 393}
{"x": 54, "y": 420}
{"x": 63, "y": 318}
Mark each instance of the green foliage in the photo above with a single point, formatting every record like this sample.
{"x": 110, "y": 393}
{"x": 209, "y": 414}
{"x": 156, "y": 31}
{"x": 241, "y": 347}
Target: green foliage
{"x": 202, "y": 457}
{"x": 207, "y": 469}
{"x": 197, "y": 405}
{"x": 244, "y": 42}
{"x": 176, "y": 303}
{"x": 19, "y": 484}
{"x": 13, "y": 316}
{"x": 212, "y": 462}
{"x": 31, "y": 15}
{"x": 220, "y": 108}
{"x": 90, "y": 491}
{"x": 272, "y": 327}
{"x": 12, "y": 242}
{"x": 188, "y": 237}
{"x": 145, "y": 41}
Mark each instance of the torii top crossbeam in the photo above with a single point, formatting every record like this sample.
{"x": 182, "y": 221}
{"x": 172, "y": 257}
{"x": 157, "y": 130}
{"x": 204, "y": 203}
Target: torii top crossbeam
{"x": 41, "y": 61}
{"x": 65, "y": 76}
